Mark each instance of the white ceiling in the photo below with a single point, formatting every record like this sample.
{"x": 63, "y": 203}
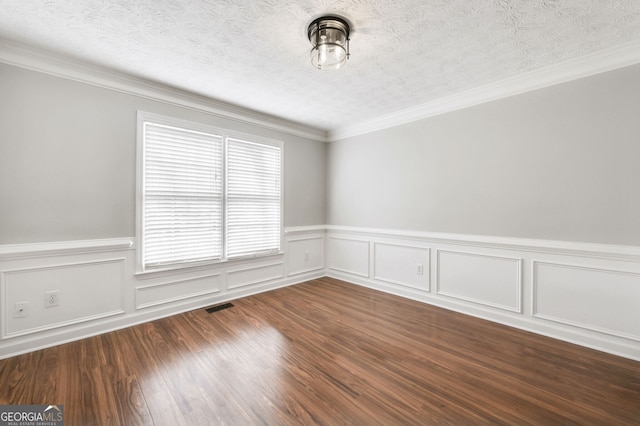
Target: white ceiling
{"x": 255, "y": 53}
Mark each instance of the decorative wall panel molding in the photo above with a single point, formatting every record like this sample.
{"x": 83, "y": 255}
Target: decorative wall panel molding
{"x": 348, "y": 255}
{"x": 305, "y": 254}
{"x": 588, "y": 294}
{"x": 583, "y": 293}
{"x": 85, "y": 291}
{"x": 597, "y": 299}
{"x": 494, "y": 281}
{"x": 158, "y": 294}
{"x": 100, "y": 290}
{"x": 247, "y": 276}
{"x": 402, "y": 264}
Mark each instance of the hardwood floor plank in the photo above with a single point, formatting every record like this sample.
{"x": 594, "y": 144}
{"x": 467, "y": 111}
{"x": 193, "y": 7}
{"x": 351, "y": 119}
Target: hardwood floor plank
{"x": 18, "y": 379}
{"x": 326, "y": 352}
{"x": 163, "y": 409}
{"x": 146, "y": 358}
{"x": 68, "y": 379}
{"x": 131, "y": 403}
{"x": 149, "y": 362}
{"x": 99, "y": 398}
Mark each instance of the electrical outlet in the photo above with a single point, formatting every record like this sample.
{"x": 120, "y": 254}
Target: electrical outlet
{"x": 21, "y": 310}
{"x": 51, "y": 298}
{"x": 420, "y": 269}
{"x": 306, "y": 255}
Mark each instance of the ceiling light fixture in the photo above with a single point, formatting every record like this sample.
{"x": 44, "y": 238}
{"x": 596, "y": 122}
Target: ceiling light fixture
{"x": 329, "y": 37}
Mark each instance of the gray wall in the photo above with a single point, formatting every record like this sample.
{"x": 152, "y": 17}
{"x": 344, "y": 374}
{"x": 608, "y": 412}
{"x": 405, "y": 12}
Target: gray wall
{"x": 561, "y": 163}
{"x": 68, "y": 160}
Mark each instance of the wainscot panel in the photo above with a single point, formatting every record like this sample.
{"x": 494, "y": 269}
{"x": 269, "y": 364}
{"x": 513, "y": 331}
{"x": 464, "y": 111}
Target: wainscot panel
{"x": 349, "y": 255}
{"x": 246, "y": 276}
{"x": 157, "y": 294}
{"x": 305, "y": 254}
{"x": 79, "y": 292}
{"x": 489, "y": 280}
{"x": 402, "y": 264}
{"x": 603, "y": 300}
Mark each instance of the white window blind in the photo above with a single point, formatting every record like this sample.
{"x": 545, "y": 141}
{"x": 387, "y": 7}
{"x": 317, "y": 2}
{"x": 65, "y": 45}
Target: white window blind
{"x": 205, "y": 194}
{"x": 253, "y": 198}
{"x": 182, "y": 214}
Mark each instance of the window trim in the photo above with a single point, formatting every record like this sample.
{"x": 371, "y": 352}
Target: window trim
{"x": 144, "y": 116}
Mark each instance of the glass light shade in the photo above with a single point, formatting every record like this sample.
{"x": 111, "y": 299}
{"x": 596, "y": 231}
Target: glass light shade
{"x": 328, "y": 56}
{"x": 329, "y": 38}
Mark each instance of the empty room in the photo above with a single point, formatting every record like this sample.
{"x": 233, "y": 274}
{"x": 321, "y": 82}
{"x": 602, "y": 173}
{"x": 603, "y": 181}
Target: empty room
{"x": 319, "y": 212}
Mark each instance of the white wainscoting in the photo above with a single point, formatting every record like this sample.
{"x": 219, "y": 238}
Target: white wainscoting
{"x": 405, "y": 265}
{"x": 306, "y": 254}
{"x": 85, "y": 291}
{"x": 251, "y": 275}
{"x": 493, "y": 281}
{"x": 99, "y": 289}
{"x": 349, "y": 255}
{"x": 177, "y": 290}
{"x": 588, "y": 294}
{"x": 602, "y": 300}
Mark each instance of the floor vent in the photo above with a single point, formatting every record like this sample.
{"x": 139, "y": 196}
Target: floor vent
{"x": 219, "y": 307}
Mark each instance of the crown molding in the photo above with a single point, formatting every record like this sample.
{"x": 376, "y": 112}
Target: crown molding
{"x": 61, "y": 66}
{"x": 73, "y": 69}
{"x": 573, "y": 69}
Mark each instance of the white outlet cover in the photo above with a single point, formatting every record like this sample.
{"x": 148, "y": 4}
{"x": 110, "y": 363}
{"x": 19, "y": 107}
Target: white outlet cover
{"x": 51, "y": 298}
{"x": 21, "y": 309}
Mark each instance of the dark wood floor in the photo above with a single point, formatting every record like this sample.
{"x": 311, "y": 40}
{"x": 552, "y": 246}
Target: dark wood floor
{"x": 325, "y": 352}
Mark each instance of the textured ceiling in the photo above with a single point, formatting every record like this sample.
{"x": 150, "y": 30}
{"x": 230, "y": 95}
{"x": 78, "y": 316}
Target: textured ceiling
{"x": 254, "y": 53}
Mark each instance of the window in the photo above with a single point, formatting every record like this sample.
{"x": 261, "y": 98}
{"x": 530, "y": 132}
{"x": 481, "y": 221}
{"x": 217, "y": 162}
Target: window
{"x": 253, "y": 197}
{"x": 205, "y": 194}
